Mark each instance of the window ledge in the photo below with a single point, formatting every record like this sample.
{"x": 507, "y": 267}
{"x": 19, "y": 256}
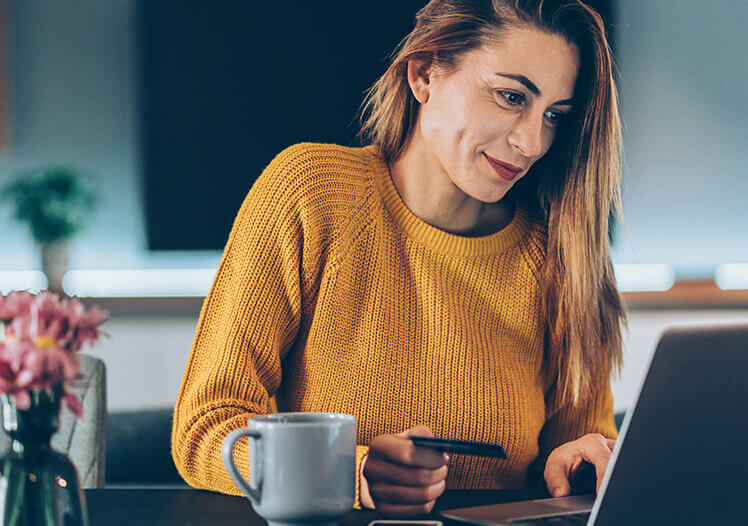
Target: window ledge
{"x": 682, "y": 295}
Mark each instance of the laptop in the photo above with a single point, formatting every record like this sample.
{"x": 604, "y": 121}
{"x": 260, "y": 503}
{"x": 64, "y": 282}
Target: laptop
{"x": 682, "y": 452}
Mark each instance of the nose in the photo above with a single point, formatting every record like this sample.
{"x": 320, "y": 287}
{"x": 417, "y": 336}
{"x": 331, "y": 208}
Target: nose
{"x": 527, "y": 135}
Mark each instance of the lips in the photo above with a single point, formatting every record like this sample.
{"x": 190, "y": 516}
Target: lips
{"x": 505, "y": 170}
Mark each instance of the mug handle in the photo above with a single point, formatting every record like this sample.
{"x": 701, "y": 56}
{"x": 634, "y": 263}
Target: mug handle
{"x": 227, "y": 452}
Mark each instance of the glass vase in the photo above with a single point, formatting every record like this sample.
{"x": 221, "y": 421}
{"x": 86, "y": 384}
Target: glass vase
{"x": 38, "y": 485}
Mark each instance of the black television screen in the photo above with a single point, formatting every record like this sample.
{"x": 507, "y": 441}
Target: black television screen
{"x": 224, "y": 86}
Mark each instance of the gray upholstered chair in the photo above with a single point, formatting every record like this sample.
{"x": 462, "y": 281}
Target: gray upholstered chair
{"x": 83, "y": 439}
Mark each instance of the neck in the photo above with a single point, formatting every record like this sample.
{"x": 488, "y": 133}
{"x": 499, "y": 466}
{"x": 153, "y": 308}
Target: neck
{"x": 428, "y": 192}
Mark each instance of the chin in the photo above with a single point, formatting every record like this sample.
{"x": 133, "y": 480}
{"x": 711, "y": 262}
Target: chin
{"x": 492, "y": 196}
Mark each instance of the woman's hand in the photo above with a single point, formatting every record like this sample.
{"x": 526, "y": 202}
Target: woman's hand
{"x": 565, "y": 461}
{"x": 400, "y": 479}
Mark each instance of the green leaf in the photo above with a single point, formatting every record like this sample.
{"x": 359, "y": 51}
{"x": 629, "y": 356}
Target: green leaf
{"x": 54, "y": 202}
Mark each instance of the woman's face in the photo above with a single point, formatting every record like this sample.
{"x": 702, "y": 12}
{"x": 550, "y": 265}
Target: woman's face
{"x": 505, "y": 101}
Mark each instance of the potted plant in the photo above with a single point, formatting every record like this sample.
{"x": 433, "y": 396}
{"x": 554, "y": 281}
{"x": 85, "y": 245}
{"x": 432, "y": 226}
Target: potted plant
{"x": 40, "y": 337}
{"x": 55, "y": 203}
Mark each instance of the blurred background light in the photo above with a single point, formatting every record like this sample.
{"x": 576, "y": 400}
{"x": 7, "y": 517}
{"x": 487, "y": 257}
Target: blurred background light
{"x": 732, "y": 276}
{"x": 22, "y": 280}
{"x": 139, "y": 283}
{"x": 639, "y": 277}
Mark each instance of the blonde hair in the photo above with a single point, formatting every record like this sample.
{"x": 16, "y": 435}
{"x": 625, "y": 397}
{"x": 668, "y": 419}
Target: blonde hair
{"x": 574, "y": 187}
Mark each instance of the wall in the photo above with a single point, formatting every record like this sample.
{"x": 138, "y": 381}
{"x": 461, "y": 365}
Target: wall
{"x": 683, "y": 89}
{"x": 74, "y": 100}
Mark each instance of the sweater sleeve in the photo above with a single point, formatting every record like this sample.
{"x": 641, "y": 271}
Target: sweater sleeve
{"x": 593, "y": 414}
{"x": 248, "y": 322}
{"x": 361, "y": 452}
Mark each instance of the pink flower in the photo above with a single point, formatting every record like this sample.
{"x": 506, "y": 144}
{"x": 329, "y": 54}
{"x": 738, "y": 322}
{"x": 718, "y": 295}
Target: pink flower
{"x": 9, "y": 385}
{"x": 22, "y": 399}
{"x": 48, "y": 321}
{"x": 7, "y": 378}
{"x": 85, "y": 324}
{"x": 13, "y": 352}
{"x": 41, "y": 319}
{"x": 37, "y": 369}
{"x": 74, "y": 404}
{"x": 43, "y": 334}
{"x": 15, "y": 303}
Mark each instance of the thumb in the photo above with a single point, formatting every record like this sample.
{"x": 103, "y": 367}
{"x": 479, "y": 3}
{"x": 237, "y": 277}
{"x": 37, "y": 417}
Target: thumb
{"x": 418, "y": 430}
{"x": 556, "y": 478}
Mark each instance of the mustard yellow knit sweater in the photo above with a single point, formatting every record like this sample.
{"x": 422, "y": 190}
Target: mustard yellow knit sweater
{"x": 332, "y": 296}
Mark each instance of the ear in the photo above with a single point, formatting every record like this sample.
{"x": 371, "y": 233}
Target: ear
{"x": 419, "y": 78}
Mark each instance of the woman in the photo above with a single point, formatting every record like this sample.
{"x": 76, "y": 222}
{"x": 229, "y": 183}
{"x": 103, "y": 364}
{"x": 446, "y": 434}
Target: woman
{"x": 420, "y": 284}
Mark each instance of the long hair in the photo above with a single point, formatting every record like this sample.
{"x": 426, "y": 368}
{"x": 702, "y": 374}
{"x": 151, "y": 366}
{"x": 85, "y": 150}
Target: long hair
{"x": 574, "y": 187}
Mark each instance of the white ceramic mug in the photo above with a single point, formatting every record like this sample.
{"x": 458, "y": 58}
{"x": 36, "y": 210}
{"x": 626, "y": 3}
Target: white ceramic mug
{"x": 302, "y": 466}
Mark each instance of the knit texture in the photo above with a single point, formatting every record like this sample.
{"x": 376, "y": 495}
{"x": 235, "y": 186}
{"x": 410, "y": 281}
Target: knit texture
{"x": 332, "y": 296}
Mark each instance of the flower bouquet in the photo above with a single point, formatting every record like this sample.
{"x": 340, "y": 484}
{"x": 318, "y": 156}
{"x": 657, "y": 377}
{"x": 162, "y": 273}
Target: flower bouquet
{"x": 40, "y": 339}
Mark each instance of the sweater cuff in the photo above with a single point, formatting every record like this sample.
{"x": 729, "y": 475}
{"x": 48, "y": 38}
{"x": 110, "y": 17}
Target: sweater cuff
{"x": 361, "y": 452}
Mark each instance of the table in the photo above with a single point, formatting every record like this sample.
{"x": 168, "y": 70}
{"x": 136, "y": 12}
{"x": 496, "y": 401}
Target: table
{"x": 172, "y": 507}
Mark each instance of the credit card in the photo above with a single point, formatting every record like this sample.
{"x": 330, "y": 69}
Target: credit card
{"x": 465, "y": 447}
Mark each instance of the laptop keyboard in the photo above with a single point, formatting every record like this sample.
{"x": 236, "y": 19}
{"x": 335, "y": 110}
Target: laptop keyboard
{"x": 559, "y": 520}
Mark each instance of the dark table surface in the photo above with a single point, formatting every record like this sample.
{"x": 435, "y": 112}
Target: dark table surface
{"x": 190, "y": 506}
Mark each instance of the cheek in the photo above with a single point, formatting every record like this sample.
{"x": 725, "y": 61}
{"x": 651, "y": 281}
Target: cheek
{"x": 432, "y": 123}
{"x": 485, "y": 121}
{"x": 447, "y": 119}
{"x": 490, "y": 123}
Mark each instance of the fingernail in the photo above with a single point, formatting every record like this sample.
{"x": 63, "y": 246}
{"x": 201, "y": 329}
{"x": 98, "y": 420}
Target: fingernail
{"x": 446, "y": 457}
{"x": 557, "y": 492}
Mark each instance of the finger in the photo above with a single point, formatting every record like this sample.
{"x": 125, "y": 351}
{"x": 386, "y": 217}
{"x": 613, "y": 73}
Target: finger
{"x": 418, "y": 430}
{"x": 557, "y": 470}
{"x": 403, "y": 451}
{"x": 396, "y": 494}
{"x": 595, "y": 451}
{"x": 387, "y": 509}
{"x": 611, "y": 443}
{"x": 378, "y": 469}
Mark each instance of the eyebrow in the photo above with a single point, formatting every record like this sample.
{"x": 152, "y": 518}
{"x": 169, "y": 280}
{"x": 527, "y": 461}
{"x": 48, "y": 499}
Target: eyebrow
{"x": 532, "y": 87}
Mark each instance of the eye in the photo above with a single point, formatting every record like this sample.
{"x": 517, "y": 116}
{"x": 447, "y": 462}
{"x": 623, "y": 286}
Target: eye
{"x": 511, "y": 97}
{"x": 557, "y": 119}
{"x": 515, "y": 99}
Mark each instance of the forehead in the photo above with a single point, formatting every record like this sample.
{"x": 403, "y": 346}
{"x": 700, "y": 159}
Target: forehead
{"x": 546, "y": 59}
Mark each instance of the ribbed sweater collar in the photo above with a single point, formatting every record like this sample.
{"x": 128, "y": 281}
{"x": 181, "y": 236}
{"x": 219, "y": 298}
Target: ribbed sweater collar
{"x": 437, "y": 239}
